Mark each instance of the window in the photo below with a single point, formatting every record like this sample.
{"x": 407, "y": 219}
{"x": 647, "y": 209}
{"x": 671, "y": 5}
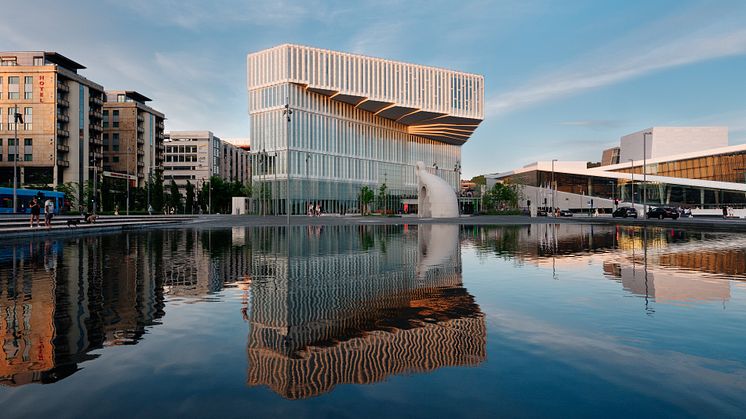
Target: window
{"x": 28, "y": 87}
{"x": 11, "y": 118}
{"x": 28, "y": 141}
{"x": 28, "y": 118}
{"x": 120, "y": 98}
{"x": 115, "y": 159}
{"x": 8, "y": 61}
{"x": 38, "y": 61}
{"x": 106, "y": 138}
{"x": 1, "y": 90}
{"x": 13, "y": 87}
{"x": 28, "y": 157}
{"x": 115, "y": 147}
{"x": 11, "y": 157}
{"x": 115, "y": 119}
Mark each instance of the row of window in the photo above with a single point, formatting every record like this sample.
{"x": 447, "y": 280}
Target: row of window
{"x": 724, "y": 168}
{"x": 14, "y": 91}
{"x": 181, "y": 149}
{"x": 28, "y": 152}
{"x": 28, "y": 116}
{"x": 408, "y": 84}
{"x": 13, "y": 61}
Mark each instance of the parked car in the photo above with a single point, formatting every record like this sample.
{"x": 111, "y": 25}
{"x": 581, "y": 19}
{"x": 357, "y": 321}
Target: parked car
{"x": 663, "y": 212}
{"x": 541, "y": 212}
{"x": 565, "y": 213}
{"x": 625, "y": 212}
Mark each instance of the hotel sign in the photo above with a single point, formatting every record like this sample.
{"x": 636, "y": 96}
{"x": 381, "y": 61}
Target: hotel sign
{"x": 42, "y": 82}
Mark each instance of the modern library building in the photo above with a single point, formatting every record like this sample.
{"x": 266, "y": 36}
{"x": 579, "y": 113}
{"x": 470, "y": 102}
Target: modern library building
{"x": 324, "y": 124}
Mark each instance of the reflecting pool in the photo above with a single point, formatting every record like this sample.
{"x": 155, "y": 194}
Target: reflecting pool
{"x": 375, "y": 321}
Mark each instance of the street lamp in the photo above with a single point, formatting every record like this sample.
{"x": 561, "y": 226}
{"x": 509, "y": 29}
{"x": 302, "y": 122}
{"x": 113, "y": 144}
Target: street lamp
{"x": 645, "y": 172}
{"x": 632, "y": 172}
{"x": 129, "y": 151}
{"x": 553, "y": 185}
{"x": 17, "y": 118}
{"x": 287, "y": 112}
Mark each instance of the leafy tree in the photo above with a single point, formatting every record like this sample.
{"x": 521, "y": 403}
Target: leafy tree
{"x": 479, "y": 180}
{"x": 157, "y": 195}
{"x": 189, "y": 204}
{"x": 366, "y": 197}
{"x": 69, "y": 189}
{"x": 174, "y": 197}
{"x": 382, "y": 195}
{"x": 502, "y": 196}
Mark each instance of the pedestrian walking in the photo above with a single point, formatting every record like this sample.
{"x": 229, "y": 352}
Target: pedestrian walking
{"x": 150, "y": 209}
{"x": 35, "y": 211}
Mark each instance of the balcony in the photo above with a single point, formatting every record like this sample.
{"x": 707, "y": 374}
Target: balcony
{"x": 63, "y": 163}
{"x": 95, "y": 127}
{"x": 159, "y": 125}
{"x": 140, "y": 129}
{"x": 140, "y": 152}
{"x": 140, "y": 118}
{"x": 140, "y": 164}
{"x": 62, "y": 148}
{"x": 63, "y": 133}
{"x": 62, "y": 87}
{"x": 140, "y": 140}
{"x": 96, "y": 101}
{"x": 97, "y": 141}
{"x": 63, "y": 118}
{"x": 63, "y": 103}
{"x": 96, "y": 155}
{"x": 141, "y": 175}
{"x": 95, "y": 114}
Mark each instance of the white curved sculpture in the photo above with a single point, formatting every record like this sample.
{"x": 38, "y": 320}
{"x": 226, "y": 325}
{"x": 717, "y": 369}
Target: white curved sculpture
{"x": 435, "y": 197}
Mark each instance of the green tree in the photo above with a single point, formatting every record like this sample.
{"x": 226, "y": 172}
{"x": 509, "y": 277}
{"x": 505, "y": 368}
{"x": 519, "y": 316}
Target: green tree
{"x": 69, "y": 189}
{"x": 157, "y": 195}
{"x": 174, "y": 197}
{"x": 382, "y": 195}
{"x": 366, "y": 197}
{"x": 502, "y": 196}
{"x": 189, "y": 204}
{"x": 479, "y": 180}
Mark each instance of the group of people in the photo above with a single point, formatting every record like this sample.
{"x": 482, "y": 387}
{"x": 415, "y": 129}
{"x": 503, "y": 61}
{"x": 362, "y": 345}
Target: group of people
{"x": 35, "y": 208}
{"x": 314, "y": 210}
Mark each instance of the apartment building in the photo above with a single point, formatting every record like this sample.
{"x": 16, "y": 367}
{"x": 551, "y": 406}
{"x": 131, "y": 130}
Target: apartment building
{"x": 133, "y": 135}
{"x": 197, "y": 155}
{"x": 235, "y": 164}
{"x": 61, "y": 133}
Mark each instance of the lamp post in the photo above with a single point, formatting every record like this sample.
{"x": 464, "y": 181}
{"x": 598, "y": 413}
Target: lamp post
{"x": 645, "y": 172}
{"x": 308, "y": 157}
{"x": 632, "y": 172}
{"x": 129, "y": 151}
{"x": 17, "y": 118}
{"x": 287, "y": 112}
{"x": 95, "y": 177}
{"x": 553, "y": 185}
{"x": 457, "y": 169}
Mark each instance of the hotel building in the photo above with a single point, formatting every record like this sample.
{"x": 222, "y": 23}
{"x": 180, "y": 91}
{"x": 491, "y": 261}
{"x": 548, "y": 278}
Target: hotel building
{"x": 354, "y": 121}
{"x": 133, "y": 135}
{"x": 62, "y": 113}
{"x": 678, "y": 166}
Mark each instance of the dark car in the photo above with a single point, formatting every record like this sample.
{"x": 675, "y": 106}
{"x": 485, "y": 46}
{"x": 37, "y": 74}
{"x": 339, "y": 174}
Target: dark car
{"x": 663, "y": 212}
{"x": 625, "y": 212}
{"x": 565, "y": 213}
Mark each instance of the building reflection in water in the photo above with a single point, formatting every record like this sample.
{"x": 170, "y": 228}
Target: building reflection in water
{"x": 361, "y": 305}
{"x": 327, "y": 305}
{"x": 661, "y": 265}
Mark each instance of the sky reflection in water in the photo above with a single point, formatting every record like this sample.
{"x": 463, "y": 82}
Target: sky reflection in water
{"x": 417, "y": 321}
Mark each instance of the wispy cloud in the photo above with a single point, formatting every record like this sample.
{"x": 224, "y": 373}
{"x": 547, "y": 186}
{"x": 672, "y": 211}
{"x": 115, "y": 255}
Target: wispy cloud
{"x": 593, "y": 123}
{"x": 199, "y": 14}
{"x": 665, "y": 44}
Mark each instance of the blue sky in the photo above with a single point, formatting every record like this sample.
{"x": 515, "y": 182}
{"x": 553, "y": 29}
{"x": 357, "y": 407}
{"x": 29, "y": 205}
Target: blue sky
{"x": 564, "y": 79}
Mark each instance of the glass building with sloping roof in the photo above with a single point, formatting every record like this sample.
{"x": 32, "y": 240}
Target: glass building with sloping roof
{"x": 324, "y": 124}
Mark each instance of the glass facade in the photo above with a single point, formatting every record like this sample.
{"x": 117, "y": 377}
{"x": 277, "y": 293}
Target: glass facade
{"x": 730, "y": 167}
{"x": 327, "y": 149}
{"x": 657, "y": 193}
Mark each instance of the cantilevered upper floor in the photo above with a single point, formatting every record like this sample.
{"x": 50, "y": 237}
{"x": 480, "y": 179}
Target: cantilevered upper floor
{"x": 436, "y": 103}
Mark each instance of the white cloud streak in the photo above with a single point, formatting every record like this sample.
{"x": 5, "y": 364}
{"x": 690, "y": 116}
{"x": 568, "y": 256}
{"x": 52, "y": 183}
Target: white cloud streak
{"x": 632, "y": 57}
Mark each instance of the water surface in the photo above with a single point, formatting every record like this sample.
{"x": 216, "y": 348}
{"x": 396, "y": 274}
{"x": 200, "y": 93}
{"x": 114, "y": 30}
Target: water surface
{"x": 372, "y": 321}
